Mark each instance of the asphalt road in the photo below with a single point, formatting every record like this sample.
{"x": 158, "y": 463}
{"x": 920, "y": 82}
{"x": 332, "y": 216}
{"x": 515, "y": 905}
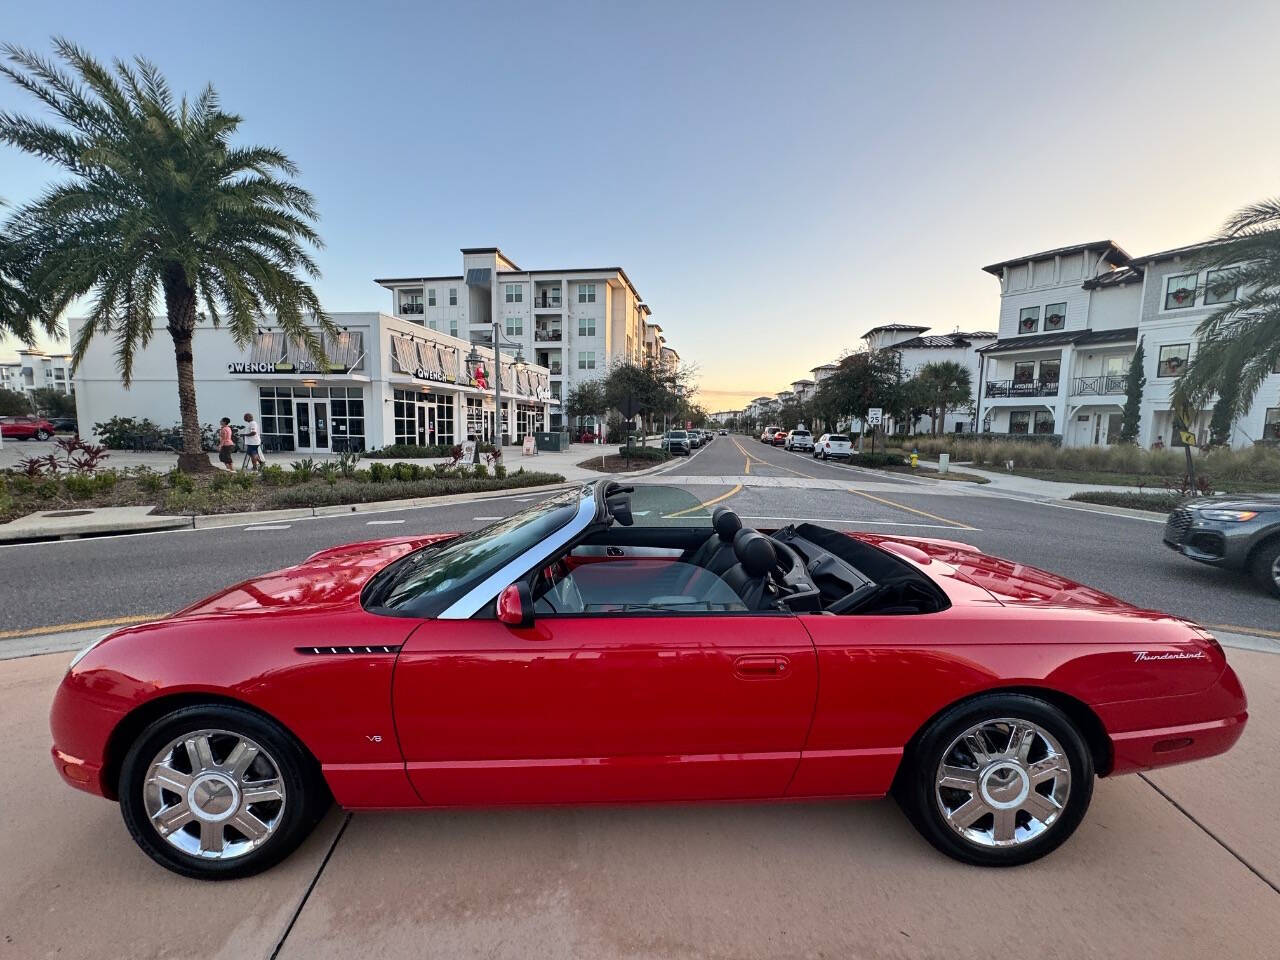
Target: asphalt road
{"x": 49, "y": 585}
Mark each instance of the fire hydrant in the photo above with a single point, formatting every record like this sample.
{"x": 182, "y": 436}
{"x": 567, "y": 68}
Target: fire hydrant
{"x": 915, "y": 459}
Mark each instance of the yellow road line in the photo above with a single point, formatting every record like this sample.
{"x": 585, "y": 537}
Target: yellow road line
{"x": 80, "y": 625}
{"x": 706, "y": 503}
{"x": 932, "y": 516}
{"x": 1232, "y": 628}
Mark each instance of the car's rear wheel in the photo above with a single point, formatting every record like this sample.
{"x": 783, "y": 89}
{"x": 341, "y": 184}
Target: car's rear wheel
{"x": 999, "y": 781}
{"x": 217, "y": 791}
{"x": 1266, "y": 566}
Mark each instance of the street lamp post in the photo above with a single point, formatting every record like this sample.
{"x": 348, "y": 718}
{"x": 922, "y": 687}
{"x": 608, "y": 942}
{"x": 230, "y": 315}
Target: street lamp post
{"x": 517, "y": 363}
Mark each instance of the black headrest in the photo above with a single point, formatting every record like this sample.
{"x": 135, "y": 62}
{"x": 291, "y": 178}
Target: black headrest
{"x": 755, "y": 552}
{"x": 726, "y": 523}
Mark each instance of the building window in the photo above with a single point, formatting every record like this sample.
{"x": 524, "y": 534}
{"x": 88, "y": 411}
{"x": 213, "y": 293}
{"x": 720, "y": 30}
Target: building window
{"x": 1180, "y": 291}
{"x": 453, "y": 326}
{"x": 411, "y": 301}
{"x": 586, "y": 359}
{"x": 275, "y": 406}
{"x": 1049, "y": 370}
{"x": 586, "y": 293}
{"x": 431, "y": 296}
{"x": 1055, "y": 316}
{"x": 453, "y": 296}
{"x": 346, "y": 418}
{"x": 1173, "y": 359}
{"x": 1019, "y": 421}
{"x": 423, "y": 418}
{"x": 515, "y": 292}
{"x": 586, "y": 326}
{"x": 1271, "y": 424}
{"x": 515, "y": 326}
{"x": 1024, "y": 371}
{"x": 1029, "y": 320}
{"x": 1043, "y": 421}
{"x": 1219, "y": 288}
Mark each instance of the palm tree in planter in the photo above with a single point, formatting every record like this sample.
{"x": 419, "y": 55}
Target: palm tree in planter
{"x": 944, "y": 385}
{"x": 1239, "y": 343}
{"x": 159, "y": 203}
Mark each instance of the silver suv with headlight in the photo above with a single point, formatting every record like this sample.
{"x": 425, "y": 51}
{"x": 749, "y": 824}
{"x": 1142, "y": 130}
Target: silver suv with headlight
{"x": 1234, "y": 531}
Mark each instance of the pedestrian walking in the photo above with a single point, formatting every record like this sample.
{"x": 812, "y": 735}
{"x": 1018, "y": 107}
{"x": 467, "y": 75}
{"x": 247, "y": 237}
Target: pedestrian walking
{"x": 226, "y": 444}
{"x": 253, "y": 441}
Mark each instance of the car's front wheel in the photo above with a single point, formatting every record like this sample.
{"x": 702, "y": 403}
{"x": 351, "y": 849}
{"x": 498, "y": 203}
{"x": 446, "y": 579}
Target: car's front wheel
{"x": 1266, "y": 566}
{"x": 999, "y": 781}
{"x": 217, "y": 791}
{"x": 43, "y": 434}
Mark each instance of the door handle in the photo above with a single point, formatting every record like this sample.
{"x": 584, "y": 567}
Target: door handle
{"x": 761, "y": 667}
{"x": 613, "y": 551}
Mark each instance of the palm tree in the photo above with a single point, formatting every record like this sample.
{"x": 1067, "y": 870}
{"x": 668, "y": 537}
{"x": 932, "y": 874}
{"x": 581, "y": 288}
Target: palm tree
{"x": 1239, "y": 343}
{"x": 20, "y": 314}
{"x": 945, "y": 385}
{"x": 158, "y": 203}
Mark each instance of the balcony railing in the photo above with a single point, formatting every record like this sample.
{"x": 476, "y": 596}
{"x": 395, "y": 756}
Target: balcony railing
{"x": 547, "y": 335}
{"x": 543, "y": 302}
{"x": 1107, "y": 385}
{"x": 555, "y": 369}
{"x": 1022, "y": 388}
{"x": 408, "y": 308}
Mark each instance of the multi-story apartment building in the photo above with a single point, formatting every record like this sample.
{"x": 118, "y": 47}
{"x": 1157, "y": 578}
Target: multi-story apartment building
{"x": 575, "y": 322}
{"x": 1070, "y": 320}
{"x": 917, "y": 347}
{"x": 35, "y": 369}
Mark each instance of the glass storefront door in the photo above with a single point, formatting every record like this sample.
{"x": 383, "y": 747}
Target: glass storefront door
{"x": 312, "y": 420}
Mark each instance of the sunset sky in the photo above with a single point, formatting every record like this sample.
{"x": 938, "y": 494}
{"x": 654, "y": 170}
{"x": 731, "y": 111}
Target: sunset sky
{"x": 775, "y": 178}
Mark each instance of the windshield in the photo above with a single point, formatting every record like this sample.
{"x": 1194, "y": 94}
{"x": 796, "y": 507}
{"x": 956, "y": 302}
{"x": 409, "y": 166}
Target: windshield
{"x": 677, "y": 434}
{"x": 426, "y": 581}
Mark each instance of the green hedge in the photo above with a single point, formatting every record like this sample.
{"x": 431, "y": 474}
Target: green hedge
{"x": 645, "y": 453}
{"x": 413, "y": 451}
{"x": 354, "y": 492}
{"x": 1155, "y": 502}
{"x": 877, "y": 460}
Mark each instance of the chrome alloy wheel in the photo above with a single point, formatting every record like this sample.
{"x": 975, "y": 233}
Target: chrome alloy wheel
{"x": 1275, "y": 570}
{"x": 1003, "y": 782}
{"x": 214, "y": 794}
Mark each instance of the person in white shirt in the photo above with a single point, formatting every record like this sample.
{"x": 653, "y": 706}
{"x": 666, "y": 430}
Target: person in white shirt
{"x": 253, "y": 441}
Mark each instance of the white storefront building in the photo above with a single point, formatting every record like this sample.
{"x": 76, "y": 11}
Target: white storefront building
{"x": 387, "y": 380}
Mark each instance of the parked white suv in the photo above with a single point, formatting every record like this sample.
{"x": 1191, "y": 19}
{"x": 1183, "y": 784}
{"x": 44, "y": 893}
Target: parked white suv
{"x": 831, "y": 445}
{"x": 798, "y": 440}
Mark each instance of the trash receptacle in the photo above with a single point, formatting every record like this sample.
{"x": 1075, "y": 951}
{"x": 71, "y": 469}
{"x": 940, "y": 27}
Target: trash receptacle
{"x": 552, "y": 441}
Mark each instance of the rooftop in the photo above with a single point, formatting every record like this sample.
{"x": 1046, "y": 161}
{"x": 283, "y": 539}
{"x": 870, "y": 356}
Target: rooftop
{"x": 1077, "y": 337}
{"x": 1112, "y": 253}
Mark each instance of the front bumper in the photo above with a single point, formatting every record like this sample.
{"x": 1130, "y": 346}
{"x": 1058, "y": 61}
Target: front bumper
{"x": 1218, "y": 543}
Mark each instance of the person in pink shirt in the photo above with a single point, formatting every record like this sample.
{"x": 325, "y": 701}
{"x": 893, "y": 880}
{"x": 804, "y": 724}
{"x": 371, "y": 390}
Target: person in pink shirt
{"x": 226, "y": 444}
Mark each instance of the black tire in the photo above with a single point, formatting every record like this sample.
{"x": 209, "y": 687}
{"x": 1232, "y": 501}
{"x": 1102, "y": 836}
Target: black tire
{"x": 1266, "y": 566}
{"x": 307, "y": 796}
{"x": 917, "y": 793}
{"x": 43, "y": 434}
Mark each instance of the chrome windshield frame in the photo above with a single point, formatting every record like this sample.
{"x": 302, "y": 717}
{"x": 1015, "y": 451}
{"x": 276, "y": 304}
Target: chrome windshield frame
{"x": 484, "y": 592}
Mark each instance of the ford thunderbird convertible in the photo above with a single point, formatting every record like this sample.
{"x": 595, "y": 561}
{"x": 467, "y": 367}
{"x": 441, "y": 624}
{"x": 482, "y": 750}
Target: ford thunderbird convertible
{"x": 624, "y": 645}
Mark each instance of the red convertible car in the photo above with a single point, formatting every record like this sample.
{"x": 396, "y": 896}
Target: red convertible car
{"x": 616, "y": 645}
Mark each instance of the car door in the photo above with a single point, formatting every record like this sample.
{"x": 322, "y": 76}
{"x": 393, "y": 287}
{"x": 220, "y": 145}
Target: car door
{"x": 606, "y": 706}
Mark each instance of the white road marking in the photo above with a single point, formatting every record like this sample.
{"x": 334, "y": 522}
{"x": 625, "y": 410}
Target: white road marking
{"x": 268, "y": 526}
{"x": 869, "y": 523}
{"x": 487, "y": 518}
{"x": 377, "y": 523}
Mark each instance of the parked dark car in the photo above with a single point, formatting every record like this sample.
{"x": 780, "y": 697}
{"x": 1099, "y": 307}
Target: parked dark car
{"x": 65, "y": 424}
{"x": 1232, "y": 531}
{"x": 25, "y": 428}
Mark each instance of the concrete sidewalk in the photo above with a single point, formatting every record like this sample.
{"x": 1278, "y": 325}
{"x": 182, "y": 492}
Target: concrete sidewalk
{"x": 1030, "y": 486}
{"x": 1140, "y": 878}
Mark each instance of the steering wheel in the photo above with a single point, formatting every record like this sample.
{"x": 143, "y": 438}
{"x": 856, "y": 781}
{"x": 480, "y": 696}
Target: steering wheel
{"x": 559, "y": 582}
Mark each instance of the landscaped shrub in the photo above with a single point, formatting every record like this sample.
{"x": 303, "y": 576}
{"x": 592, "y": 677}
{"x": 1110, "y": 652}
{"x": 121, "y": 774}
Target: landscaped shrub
{"x": 130, "y": 433}
{"x": 413, "y": 451}
{"x": 273, "y": 475}
{"x": 877, "y": 460}
{"x": 379, "y": 472}
{"x": 78, "y": 486}
{"x": 655, "y": 454}
{"x": 1157, "y": 502}
{"x": 346, "y": 491}
{"x": 180, "y": 481}
{"x": 148, "y": 479}
{"x": 304, "y": 469}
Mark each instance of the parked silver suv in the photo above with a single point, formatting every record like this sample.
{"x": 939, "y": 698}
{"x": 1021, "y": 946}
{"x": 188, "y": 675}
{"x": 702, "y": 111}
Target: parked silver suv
{"x": 1234, "y": 531}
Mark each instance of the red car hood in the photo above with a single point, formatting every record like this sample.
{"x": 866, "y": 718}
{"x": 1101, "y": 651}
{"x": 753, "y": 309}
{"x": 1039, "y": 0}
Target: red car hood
{"x": 1006, "y": 581}
{"x": 330, "y": 578}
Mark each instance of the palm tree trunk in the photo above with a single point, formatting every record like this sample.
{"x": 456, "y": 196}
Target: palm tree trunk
{"x": 180, "y": 307}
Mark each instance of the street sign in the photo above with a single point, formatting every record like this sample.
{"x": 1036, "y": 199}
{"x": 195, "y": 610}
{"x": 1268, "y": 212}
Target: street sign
{"x": 875, "y": 415}
{"x": 1188, "y": 438}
